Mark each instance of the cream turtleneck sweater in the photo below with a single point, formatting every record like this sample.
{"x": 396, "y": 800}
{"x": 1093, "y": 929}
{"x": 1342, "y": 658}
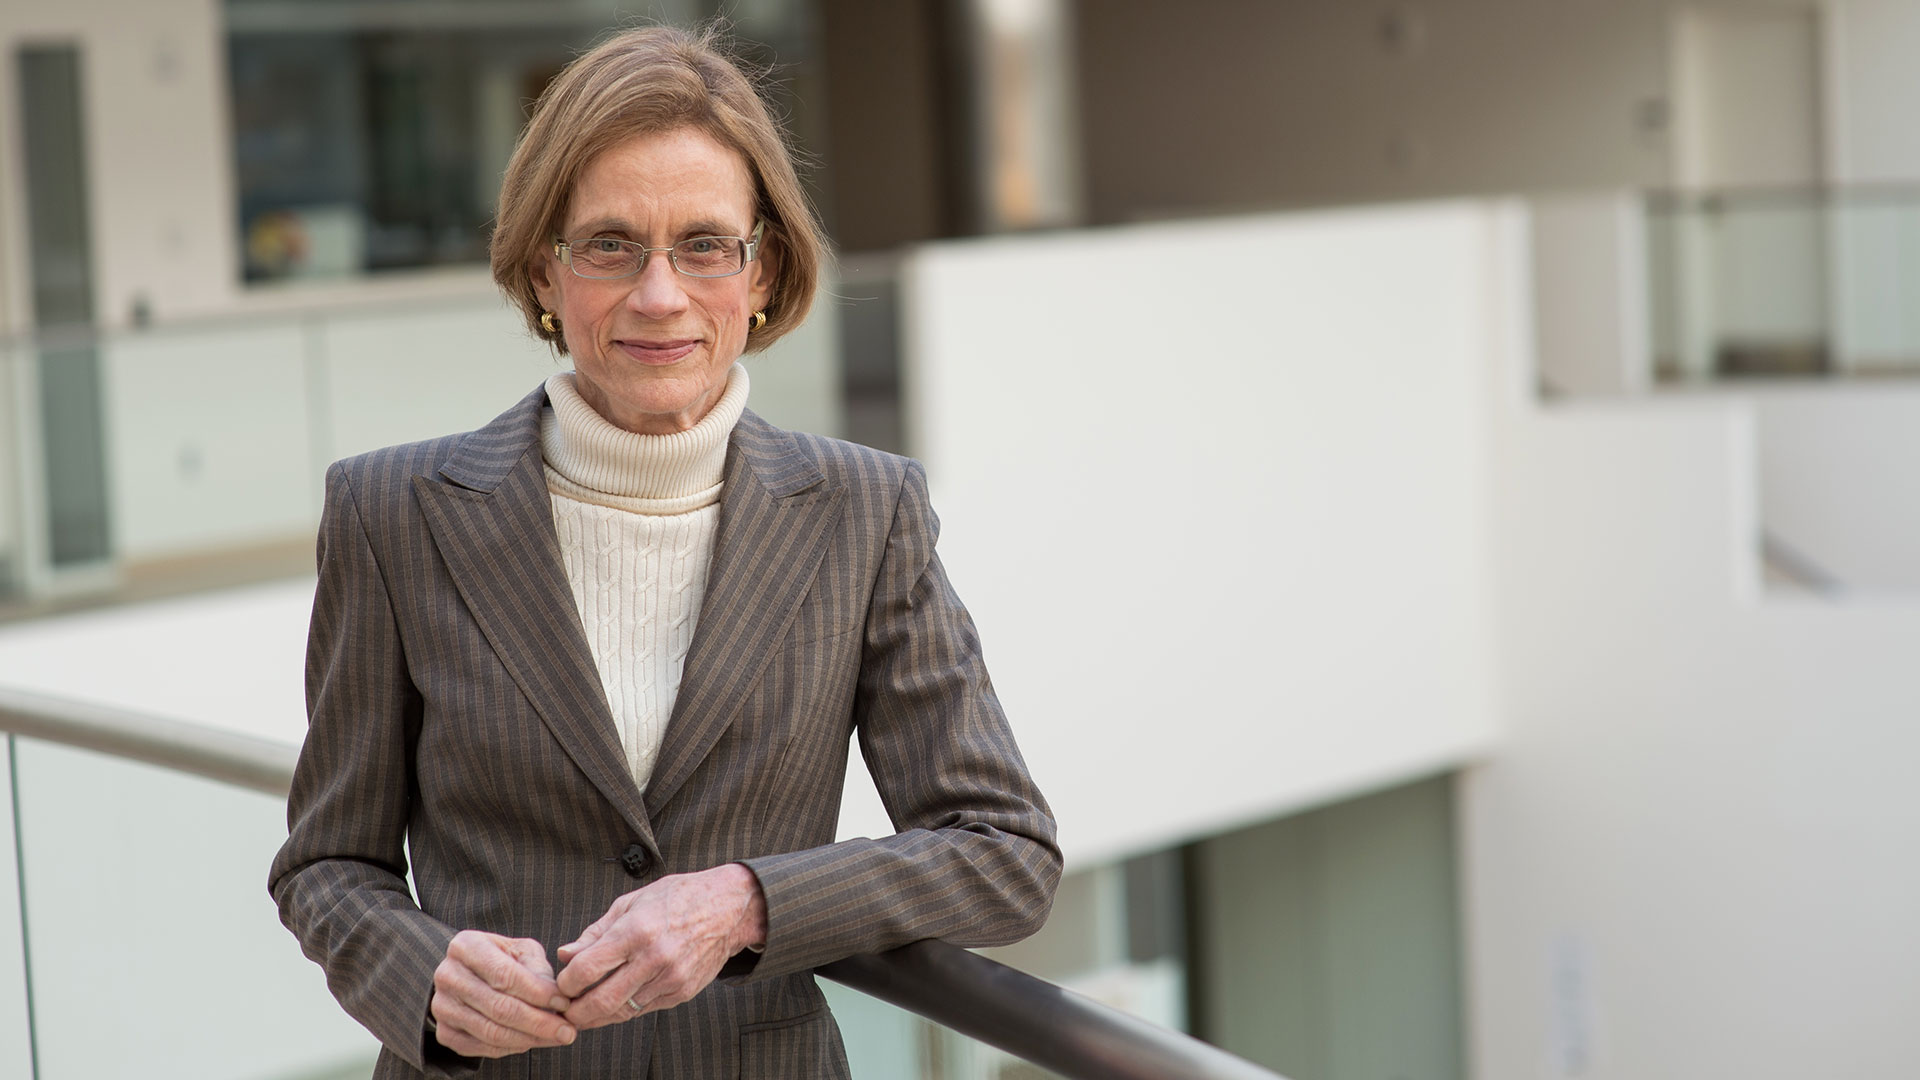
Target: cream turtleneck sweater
{"x": 636, "y": 517}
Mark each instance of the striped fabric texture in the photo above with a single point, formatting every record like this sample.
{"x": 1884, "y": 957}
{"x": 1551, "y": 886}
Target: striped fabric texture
{"x": 457, "y": 717}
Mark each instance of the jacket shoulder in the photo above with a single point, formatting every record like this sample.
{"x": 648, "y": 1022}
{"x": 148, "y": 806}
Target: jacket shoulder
{"x": 392, "y": 468}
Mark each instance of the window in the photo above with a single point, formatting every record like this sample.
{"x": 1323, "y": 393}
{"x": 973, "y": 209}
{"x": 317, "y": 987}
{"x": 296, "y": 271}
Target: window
{"x": 372, "y": 137}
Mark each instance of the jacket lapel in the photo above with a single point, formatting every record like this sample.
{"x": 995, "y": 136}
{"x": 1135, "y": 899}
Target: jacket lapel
{"x": 492, "y": 520}
{"x": 776, "y": 513}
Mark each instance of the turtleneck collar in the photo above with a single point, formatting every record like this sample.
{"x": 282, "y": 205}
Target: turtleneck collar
{"x": 590, "y": 459}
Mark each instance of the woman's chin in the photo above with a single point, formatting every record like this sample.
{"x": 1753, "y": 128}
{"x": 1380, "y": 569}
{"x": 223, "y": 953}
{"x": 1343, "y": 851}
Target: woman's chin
{"x": 666, "y": 406}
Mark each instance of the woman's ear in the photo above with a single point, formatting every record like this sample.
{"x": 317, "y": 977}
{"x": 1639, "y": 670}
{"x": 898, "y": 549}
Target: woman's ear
{"x": 765, "y": 270}
{"x": 540, "y": 274}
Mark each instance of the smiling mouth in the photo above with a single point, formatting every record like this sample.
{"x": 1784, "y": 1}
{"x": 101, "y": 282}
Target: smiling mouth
{"x": 657, "y": 352}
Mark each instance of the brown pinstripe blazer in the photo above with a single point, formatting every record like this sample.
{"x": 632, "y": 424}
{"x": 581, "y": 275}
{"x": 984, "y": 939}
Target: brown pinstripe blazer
{"x": 454, "y": 708}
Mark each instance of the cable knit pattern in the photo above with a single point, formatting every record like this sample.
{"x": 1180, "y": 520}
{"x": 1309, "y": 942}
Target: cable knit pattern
{"x": 636, "y": 516}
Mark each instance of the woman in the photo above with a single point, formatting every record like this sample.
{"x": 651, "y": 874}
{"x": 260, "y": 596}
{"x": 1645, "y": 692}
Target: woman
{"x": 590, "y": 672}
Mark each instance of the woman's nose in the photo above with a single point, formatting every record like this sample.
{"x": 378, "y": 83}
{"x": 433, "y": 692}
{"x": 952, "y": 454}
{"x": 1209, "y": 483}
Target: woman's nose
{"x": 658, "y": 290}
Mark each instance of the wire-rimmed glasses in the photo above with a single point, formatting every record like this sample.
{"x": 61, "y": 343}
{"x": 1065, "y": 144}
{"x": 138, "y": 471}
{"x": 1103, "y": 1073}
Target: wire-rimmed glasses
{"x": 603, "y": 257}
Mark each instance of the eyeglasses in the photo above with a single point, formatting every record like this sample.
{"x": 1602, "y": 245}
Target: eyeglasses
{"x": 603, "y": 257}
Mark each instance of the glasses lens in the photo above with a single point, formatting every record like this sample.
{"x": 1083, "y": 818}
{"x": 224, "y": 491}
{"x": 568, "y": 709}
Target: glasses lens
{"x": 710, "y": 256}
{"x": 606, "y": 257}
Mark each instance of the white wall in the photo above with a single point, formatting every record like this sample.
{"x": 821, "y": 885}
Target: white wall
{"x": 219, "y": 431}
{"x": 209, "y": 441}
{"x": 389, "y": 375}
{"x": 1689, "y": 855}
{"x": 1222, "y": 532}
{"x": 1747, "y": 98}
{"x": 1873, "y": 89}
{"x": 1591, "y": 310}
{"x": 1837, "y": 482}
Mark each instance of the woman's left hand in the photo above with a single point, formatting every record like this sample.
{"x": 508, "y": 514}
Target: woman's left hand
{"x": 661, "y": 944}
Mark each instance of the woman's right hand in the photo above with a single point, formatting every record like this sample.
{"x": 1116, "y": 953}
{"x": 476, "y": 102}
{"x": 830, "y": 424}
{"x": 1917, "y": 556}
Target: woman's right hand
{"x": 494, "y": 996}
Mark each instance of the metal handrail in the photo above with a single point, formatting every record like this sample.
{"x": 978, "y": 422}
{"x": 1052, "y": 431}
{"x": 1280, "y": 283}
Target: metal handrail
{"x": 1890, "y": 193}
{"x": 1029, "y": 1017}
{"x": 258, "y": 764}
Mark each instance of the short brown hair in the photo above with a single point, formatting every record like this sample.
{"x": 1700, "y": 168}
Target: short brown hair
{"x": 640, "y": 82}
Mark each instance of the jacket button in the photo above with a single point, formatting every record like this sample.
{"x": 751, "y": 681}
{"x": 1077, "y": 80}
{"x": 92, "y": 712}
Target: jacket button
{"x": 634, "y": 860}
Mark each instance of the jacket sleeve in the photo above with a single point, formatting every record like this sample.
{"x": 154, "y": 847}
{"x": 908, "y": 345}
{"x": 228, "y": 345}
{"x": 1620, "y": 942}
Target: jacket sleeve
{"x": 341, "y": 878}
{"x": 975, "y": 860}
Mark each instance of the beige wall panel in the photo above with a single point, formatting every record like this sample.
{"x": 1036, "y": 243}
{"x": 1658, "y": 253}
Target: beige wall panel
{"x": 1246, "y": 103}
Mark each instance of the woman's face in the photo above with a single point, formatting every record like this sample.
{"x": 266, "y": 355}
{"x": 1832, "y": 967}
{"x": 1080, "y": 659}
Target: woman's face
{"x": 651, "y": 351}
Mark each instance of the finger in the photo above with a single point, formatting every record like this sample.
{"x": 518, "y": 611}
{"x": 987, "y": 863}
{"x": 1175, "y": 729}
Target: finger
{"x": 595, "y": 930}
{"x": 454, "y": 1034}
{"x": 606, "y": 1003}
{"x": 658, "y": 978}
{"x": 495, "y": 960}
{"x": 520, "y": 1029}
{"x": 533, "y": 957}
{"x": 677, "y": 980}
{"x": 591, "y": 964}
{"x": 467, "y": 1001}
{"x": 457, "y": 986}
{"x": 460, "y": 1042}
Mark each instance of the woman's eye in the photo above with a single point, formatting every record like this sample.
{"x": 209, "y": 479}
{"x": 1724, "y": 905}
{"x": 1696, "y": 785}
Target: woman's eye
{"x": 699, "y": 247}
{"x": 606, "y": 247}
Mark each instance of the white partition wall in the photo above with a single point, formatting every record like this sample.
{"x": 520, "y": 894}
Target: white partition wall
{"x": 1214, "y": 494}
{"x": 1690, "y": 854}
{"x": 1837, "y": 485}
{"x": 209, "y": 438}
{"x": 395, "y": 375}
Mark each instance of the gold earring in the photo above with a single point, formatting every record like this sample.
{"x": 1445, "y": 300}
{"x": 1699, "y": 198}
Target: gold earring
{"x": 759, "y": 320}
{"x": 548, "y": 323}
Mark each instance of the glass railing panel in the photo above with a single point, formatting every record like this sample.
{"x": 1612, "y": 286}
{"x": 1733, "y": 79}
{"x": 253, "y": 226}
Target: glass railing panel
{"x": 13, "y": 559}
{"x": 153, "y": 946}
{"x": 212, "y": 440}
{"x": 1876, "y": 268}
{"x": 886, "y": 1042}
{"x": 73, "y": 457}
{"x": 1103, "y": 940}
{"x": 16, "y": 1036}
{"x": 1793, "y": 282}
{"x": 880, "y": 1039}
{"x": 1770, "y": 300}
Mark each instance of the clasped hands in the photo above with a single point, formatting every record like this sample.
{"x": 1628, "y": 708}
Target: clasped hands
{"x": 654, "y": 948}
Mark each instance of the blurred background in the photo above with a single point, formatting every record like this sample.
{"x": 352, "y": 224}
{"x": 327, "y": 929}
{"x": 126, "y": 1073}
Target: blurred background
{"x": 1435, "y": 481}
